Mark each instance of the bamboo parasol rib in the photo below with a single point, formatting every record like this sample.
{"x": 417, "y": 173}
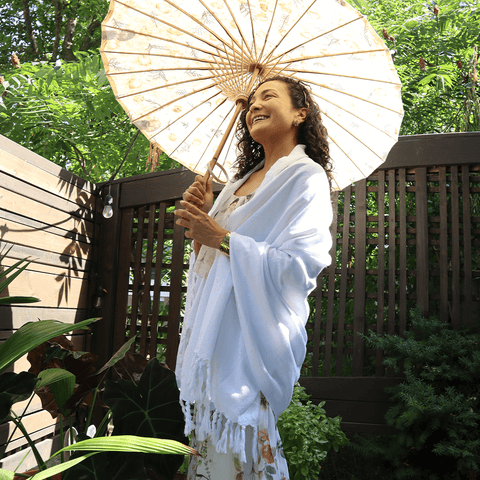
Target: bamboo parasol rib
{"x": 184, "y": 74}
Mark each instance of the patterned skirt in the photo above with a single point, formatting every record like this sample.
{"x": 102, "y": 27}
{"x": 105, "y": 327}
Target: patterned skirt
{"x": 269, "y": 464}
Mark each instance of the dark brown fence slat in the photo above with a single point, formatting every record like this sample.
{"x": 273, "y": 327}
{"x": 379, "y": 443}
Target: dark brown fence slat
{"x": 317, "y": 328}
{"x": 157, "y": 285}
{"x": 343, "y": 281}
{"x": 455, "y": 209}
{"x": 331, "y": 290}
{"x": 147, "y": 281}
{"x": 136, "y": 271}
{"x": 402, "y": 283}
{"x": 175, "y": 294}
{"x": 125, "y": 257}
{"x": 467, "y": 246}
{"x": 381, "y": 269}
{"x": 360, "y": 276}
{"x": 391, "y": 252}
{"x": 443, "y": 254}
{"x": 421, "y": 226}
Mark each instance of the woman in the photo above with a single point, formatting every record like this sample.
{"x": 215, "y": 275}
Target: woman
{"x": 258, "y": 253}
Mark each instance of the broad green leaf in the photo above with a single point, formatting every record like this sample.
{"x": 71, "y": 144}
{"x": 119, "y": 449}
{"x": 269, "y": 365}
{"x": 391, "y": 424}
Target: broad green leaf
{"x": 33, "y": 334}
{"x": 63, "y": 390}
{"x": 14, "y": 387}
{"x": 6, "y": 474}
{"x": 51, "y": 376}
{"x": 149, "y": 409}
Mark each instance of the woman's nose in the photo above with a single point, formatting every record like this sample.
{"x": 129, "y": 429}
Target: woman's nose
{"x": 254, "y": 106}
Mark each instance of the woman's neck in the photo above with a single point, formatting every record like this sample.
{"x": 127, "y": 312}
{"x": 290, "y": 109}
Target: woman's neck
{"x": 276, "y": 150}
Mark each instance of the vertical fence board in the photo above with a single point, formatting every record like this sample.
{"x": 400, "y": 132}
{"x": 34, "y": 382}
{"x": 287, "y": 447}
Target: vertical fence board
{"x": 421, "y": 227}
{"x": 137, "y": 272}
{"x": 391, "y": 252}
{"x": 343, "y": 280}
{"x": 317, "y": 328}
{"x": 402, "y": 280}
{"x": 175, "y": 293}
{"x": 123, "y": 274}
{"x": 157, "y": 285}
{"x": 147, "y": 281}
{"x": 381, "y": 269}
{"x": 360, "y": 276}
{"x": 443, "y": 255}
{"x": 455, "y": 213}
{"x": 467, "y": 246}
{"x": 331, "y": 290}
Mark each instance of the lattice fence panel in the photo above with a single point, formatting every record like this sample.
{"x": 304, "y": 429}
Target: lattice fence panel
{"x": 403, "y": 237}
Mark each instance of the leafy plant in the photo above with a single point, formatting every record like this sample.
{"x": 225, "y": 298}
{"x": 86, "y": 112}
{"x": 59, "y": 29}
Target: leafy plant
{"x": 437, "y": 407}
{"x": 308, "y": 435}
{"x": 16, "y": 387}
{"x": 149, "y": 408}
{"x": 15, "y": 270}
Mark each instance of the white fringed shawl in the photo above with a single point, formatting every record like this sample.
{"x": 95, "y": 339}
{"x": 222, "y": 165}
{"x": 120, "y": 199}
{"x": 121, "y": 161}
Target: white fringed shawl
{"x": 244, "y": 326}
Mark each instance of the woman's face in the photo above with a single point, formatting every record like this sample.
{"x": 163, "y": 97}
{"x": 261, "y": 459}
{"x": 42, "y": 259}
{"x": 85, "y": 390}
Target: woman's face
{"x": 271, "y": 114}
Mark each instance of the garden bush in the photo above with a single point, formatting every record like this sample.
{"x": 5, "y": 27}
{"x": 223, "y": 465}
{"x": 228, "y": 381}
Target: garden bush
{"x": 307, "y": 435}
{"x": 436, "y": 408}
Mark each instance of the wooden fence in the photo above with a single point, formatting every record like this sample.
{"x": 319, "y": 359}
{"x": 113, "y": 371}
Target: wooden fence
{"x": 48, "y": 216}
{"x": 407, "y": 235}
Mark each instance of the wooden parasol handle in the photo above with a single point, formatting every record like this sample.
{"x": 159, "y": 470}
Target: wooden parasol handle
{"x": 241, "y": 103}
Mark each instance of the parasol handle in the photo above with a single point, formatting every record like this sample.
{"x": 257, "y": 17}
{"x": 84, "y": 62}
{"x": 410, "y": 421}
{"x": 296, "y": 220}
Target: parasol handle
{"x": 240, "y": 102}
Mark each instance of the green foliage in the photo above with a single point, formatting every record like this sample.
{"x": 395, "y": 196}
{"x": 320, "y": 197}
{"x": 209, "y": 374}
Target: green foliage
{"x": 437, "y": 406}
{"x": 307, "y": 435}
{"x": 69, "y": 115}
{"x": 76, "y": 23}
{"x": 432, "y": 44}
{"x": 149, "y": 409}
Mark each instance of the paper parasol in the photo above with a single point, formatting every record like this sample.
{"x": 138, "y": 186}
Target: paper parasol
{"x": 177, "y": 68}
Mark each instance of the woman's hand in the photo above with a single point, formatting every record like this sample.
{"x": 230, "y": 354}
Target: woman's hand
{"x": 201, "y": 227}
{"x": 200, "y": 193}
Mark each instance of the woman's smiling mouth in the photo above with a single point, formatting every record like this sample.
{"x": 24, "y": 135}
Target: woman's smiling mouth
{"x": 260, "y": 117}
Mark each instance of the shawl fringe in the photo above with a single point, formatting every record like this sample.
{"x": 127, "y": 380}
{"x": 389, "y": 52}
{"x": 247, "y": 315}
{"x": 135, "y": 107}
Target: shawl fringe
{"x": 212, "y": 424}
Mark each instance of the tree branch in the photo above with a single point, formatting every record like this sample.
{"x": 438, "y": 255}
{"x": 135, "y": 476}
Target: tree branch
{"x": 58, "y": 26}
{"x": 87, "y": 40}
{"x": 28, "y": 26}
{"x": 67, "y": 53}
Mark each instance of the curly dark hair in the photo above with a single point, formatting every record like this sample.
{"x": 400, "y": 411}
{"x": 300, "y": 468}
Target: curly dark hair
{"x": 311, "y": 132}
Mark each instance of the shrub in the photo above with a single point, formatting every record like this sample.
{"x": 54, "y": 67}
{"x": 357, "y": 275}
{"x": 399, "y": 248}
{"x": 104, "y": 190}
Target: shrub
{"x": 437, "y": 407}
{"x": 307, "y": 435}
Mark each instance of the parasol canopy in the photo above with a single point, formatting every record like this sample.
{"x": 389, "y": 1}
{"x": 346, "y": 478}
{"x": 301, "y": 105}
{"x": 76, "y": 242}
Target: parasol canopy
{"x": 178, "y": 69}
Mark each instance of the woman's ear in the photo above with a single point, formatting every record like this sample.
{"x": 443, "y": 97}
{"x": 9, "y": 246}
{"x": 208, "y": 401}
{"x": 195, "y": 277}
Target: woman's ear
{"x": 301, "y": 115}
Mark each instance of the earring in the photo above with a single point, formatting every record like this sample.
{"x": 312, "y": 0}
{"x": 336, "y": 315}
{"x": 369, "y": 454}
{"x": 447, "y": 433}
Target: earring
{"x": 295, "y": 123}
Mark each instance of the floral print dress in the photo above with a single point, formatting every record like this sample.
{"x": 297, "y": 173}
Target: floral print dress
{"x": 269, "y": 463}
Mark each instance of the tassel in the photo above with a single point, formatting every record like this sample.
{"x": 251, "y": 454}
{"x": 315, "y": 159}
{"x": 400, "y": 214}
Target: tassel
{"x": 231, "y": 442}
{"x": 243, "y": 456}
{"x": 216, "y": 427}
{"x": 254, "y": 444}
{"x": 204, "y": 425}
{"x": 222, "y": 444}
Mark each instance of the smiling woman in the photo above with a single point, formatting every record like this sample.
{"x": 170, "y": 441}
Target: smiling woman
{"x": 258, "y": 252}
